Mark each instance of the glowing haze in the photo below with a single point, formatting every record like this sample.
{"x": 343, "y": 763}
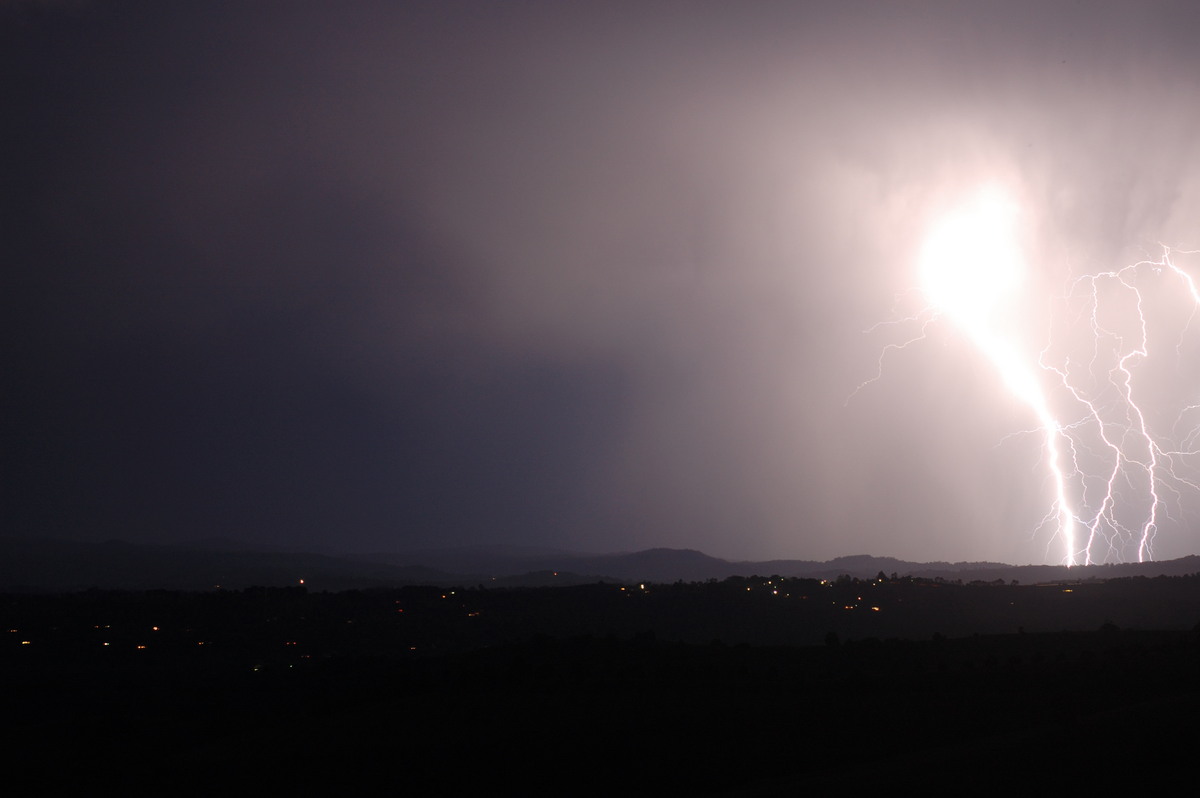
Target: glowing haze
{"x": 377, "y": 275}
{"x": 1111, "y": 472}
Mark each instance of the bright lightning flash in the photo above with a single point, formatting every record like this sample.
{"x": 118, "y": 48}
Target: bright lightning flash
{"x": 1106, "y": 458}
{"x": 971, "y": 271}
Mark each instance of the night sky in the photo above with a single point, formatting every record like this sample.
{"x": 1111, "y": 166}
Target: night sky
{"x": 379, "y": 276}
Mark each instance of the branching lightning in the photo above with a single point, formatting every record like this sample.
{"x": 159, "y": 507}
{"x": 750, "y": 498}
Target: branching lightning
{"x": 1091, "y": 389}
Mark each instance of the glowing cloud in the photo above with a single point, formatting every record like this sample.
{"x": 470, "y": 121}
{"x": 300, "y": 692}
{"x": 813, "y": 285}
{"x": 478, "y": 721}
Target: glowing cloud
{"x": 971, "y": 262}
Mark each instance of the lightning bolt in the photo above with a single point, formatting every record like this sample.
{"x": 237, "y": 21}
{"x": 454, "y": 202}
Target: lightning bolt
{"x": 1113, "y": 475}
{"x": 1143, "y": 468}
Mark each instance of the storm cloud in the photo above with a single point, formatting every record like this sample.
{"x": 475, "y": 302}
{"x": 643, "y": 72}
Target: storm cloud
{"x": 377, "y": 276}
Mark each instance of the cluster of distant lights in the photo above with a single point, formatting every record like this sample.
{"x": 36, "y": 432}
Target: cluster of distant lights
{"x": 1114, "y": 475}
{"x": 644, "y": 588}
{"x": 770, "y": 586}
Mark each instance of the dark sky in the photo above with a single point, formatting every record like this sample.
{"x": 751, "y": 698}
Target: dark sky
{"x": 381, "y": 275}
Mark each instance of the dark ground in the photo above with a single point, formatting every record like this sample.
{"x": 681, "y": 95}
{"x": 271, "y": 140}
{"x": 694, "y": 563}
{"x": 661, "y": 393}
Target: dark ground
{"x": 676, "y": 689}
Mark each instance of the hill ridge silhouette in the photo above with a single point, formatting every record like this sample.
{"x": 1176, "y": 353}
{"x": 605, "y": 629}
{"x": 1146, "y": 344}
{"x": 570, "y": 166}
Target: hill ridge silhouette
{"x": 44, "y": 564}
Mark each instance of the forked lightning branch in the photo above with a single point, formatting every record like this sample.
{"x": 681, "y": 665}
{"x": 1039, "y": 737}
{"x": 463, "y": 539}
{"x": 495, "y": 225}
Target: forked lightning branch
{"x": 1114, "y": 392}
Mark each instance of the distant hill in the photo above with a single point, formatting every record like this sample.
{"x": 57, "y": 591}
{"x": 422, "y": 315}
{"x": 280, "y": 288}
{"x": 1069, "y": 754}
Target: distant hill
{"x": 60, "y": 565}
{"x": 670, "y": 565}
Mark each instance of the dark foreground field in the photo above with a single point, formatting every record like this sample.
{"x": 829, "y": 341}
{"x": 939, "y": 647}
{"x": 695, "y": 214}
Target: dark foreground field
{"x": 736, "y": 687}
